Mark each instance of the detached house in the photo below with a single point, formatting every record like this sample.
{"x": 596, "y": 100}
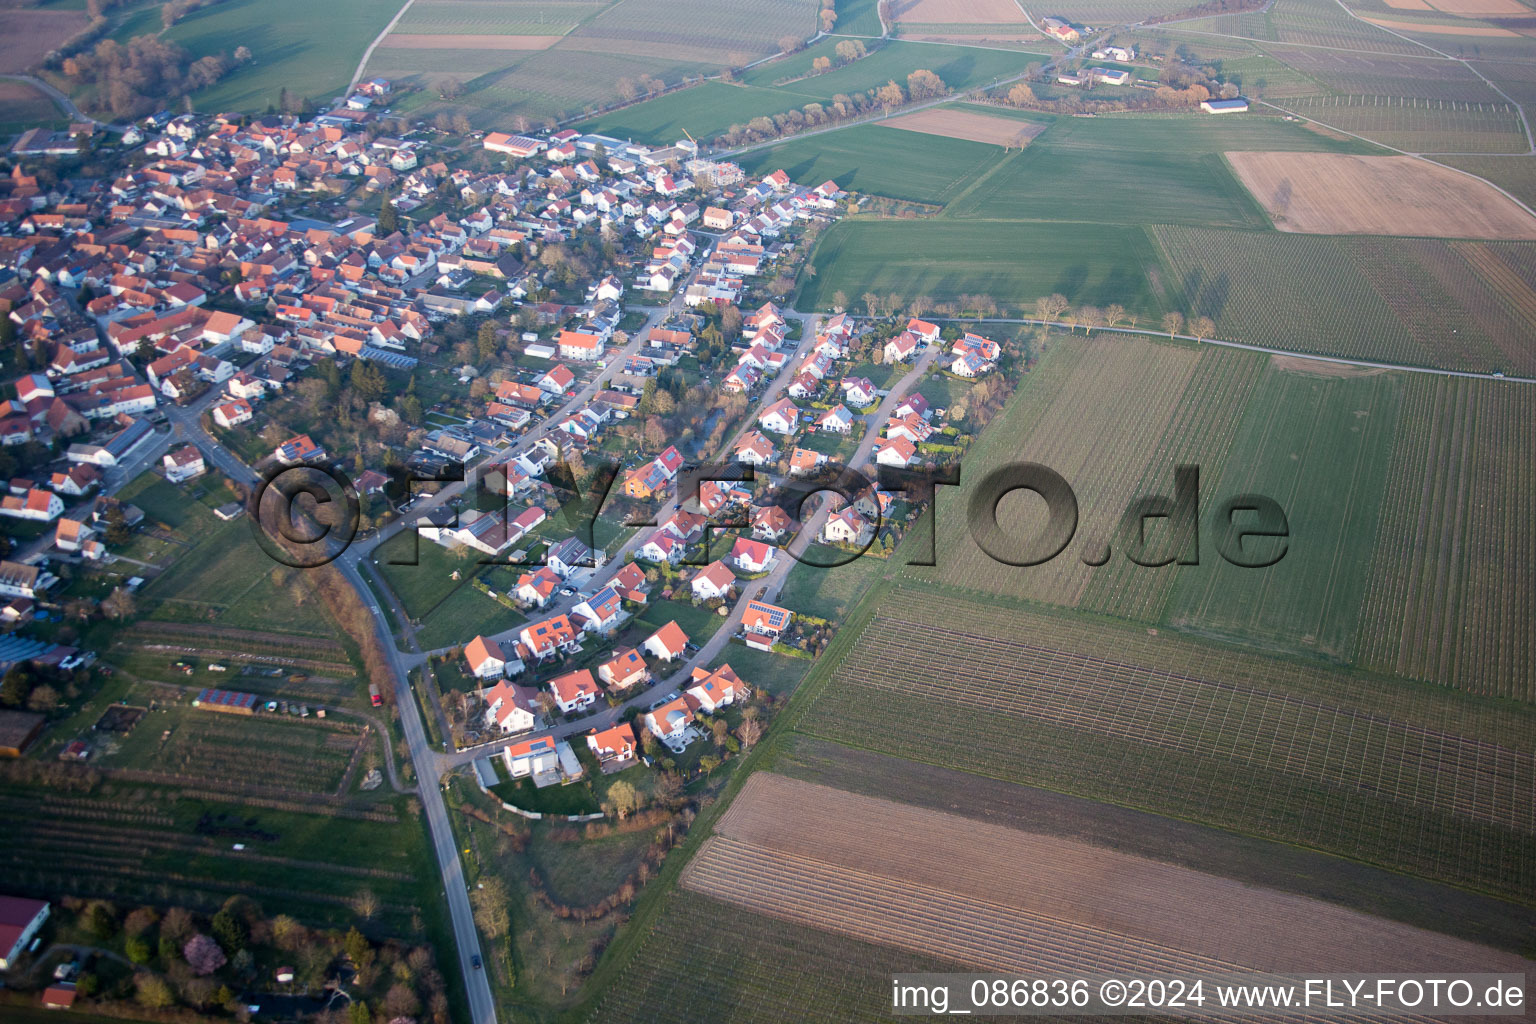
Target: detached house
{"x": 753, "y": 556}
{"x": 782, "y": 417}
{"x": 614, "y": 747}
{"x": 900, "y": 348}
{"x": 486, "y": 658}
{"x": 511, "y": 708}
{"x": 182, "y": 464}
{"x": 846, "y": 526}
{"x": 714, "y": 581}
{"x": 548, "y": 637}
{"x": 712, "y": 690}
{"x": 762, "y": 623}
{"x": 625, "y": 669}
{"x": 668, "y": 643}
{"x": 574, "y": 690}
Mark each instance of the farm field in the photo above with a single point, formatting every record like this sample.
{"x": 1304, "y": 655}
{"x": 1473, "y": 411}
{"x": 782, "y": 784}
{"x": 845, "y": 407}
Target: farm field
{"x": 1241, "y": 858}
{"x": 1514, "y": 174}
{"x": 1286, "y": 750}
{"x": 311, "y": 49}
{"x": 25, "y": 107}
{"x": 857, "y": 17}
{"x": 1418, "y": 74}
{"x": 880, "y": 161}
{"x": 961, "y": 68}
{"x": 1338, "y": 194}
{"x": 683, "y": 972}
{"x": 704, "y": 110}
{"x": 1005, "y": 899}
{"x": 495, "y": 17}
{"x": 604, "y": 52}
{"x": 1423, "y": 302}
{"x": 1014, "y": 262}
{"x": 1459, "y": 488}
{"x": 971, "y": 125}
{"x": 980, "y": 12}
{"x": 1420, "y": 126}
{"x": 29, "y": 33}
{"x": 216, "y": 570}
{"x": 1078, "y": 168}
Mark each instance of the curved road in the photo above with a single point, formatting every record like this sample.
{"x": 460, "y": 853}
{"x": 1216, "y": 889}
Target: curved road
{"x": 63, "y": 102}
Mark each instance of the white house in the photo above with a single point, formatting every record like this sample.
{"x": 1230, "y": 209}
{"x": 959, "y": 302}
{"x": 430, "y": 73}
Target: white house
{"x": 713, "y": 690}
{"x": 715, "y": 581}
{"x": 753, "y": 556}
{"x": 574, "y": 690}
{"x": 486, "y": 658}
{"x": 667, "y": 643}
{"x": 782, "y": 417}
{"x": 184, "y": 463}
{"x": 510, "y": 707}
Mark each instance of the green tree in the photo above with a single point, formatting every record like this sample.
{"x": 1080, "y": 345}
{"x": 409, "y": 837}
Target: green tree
{"x": 485, "y": 341}
{"x": 153, "y": 992}
{"x": 101, "y": 922}
{"x": 389, "y": 220}
{"x": 230, "y": 931}
{"x": 358, "y": 948}
{"x": 137, "y": 950}
{"x": 367, "y": 381}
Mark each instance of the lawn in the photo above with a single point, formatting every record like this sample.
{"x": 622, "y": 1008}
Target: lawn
{"x": 699, "y": 622}
{"x": 466, "y": 612}
{"x": 829, "y": 593}
{"x": 1013, "y": 262}
{"x": 311, "y": 49}
{"x": 961, "y": 67}
{"x": 219, "y": 571}
{"x": 779, "y": 674}
{"x": 704, "y": 111}
{"x": 880, "y": 161}
{"x": 428, "y": 582}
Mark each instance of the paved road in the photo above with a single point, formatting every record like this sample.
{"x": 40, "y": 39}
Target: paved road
{"x": 63, "y": 102}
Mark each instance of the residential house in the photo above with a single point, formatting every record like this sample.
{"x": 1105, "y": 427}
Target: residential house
{"x": 847, "y": 526}
{"x": 770, "y": 522}
{"x": 580, "y": 346}
{"x": 537, "y": 587}
{"x": 715, "y": 581}
{"x": 761, "y": 624}
{"x": 753, "y": 556}
{"x": 575, "y": 690}
{"x": 755, "y": 450}
{"x": 900, "y": 348}
{"x": 511, "y": 708}
{"x": 836, "y": 420}
{"x": 535, "y": 757}
{"x": 232, "y": 414}
{"x": 713, "y": 689}
{"x": 486, "y": 658}
{"x": 898, "y": 452}
{"x": 548, "y": 637}
{"x": 671, "y": 721}
{"x": 625, "y": 669}
{"x": 600, "y": 613}
{"x": 613, "y": 747}
{"x": 782, "y": 417}
{"x": 182, "y": 464}
{"x": 661, "y": 547}
{"x": 668, "y": 643}
{"x": 36, "y": 504}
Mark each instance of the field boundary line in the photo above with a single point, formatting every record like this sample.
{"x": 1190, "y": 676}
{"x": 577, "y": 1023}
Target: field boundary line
{"x": 368, "y": 53}
{"x": 1369, "y": 364}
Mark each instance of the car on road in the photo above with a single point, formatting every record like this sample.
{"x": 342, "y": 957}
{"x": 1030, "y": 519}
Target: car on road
{"x": 474, "y": 961}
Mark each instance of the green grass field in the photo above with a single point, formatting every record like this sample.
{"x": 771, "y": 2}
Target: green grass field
{"x": 704, "y": 111}
{"x": 310, "y": 49}
{"x": 1013, "y": 262}
{"x": 857, "y": 18}
{"x": 880, "y": 161}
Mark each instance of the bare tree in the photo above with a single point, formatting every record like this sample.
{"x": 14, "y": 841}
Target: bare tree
{"x": 1202, "y": 327}
{"x": 1173, "y": 323}
{"x": 1114, "y": 314}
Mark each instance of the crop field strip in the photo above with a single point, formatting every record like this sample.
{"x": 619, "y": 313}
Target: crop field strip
{"x": 1100, "y": 447}
{"x": 1421, "y": 125}
{"x": 1256, "y": 285}
{"x": 1319, "y": 445}
{"x": 1280, "y": 732}
{"x": 1240, "y": 795}
{"x": 1418, "y": 74}
{"x": 1009, "y": 900}
{"x": 1462, "y": 488}
{"x": 687, "y": 971}
{"x": 455, "y": 17}
{"x": 129, "y": 843}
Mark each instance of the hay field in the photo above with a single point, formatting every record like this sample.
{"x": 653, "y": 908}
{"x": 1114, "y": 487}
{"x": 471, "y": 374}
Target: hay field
{"x": 969, "y": 125}
{"x": 1339, "y": 194}
{"x": 1006, "y": 899}
{"x": 959, "y": 12}
{"x": 1399, "y": 25}
{"x": 26, "y": 35}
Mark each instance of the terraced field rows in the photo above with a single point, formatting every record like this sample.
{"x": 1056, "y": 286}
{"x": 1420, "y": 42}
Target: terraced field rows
{"x": 1421, "y": 125}
{"x": 1199, "y": 434}
{"x": 1447, "y": 598}
{"x": 878, "y": 909}
{"x": 1102, "y": 448}
{"x": 1446, "y": 772}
